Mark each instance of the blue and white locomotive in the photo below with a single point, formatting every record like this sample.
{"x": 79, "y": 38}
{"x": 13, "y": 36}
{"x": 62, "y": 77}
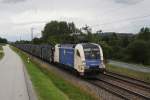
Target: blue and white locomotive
{"x": 84, "y": 57}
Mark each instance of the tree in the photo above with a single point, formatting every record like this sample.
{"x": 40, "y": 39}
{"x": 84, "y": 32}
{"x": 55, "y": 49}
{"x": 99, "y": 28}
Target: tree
{"x": 63, "y": 28}
{"x": 87, "y": 29}
{"x": 125, "y": 41}
{"x": 144, "y": 34}
{"x": 107, "y": 50}
{"x": 57, "y": 31}
{"x": 3, "y": 40}
{"x": 23, "y": 42}
{"x": 37, "y": 41}
{"x": 72, "y": 28}
{"x": 138, "y": 51}
{"x": 58, "y": 28}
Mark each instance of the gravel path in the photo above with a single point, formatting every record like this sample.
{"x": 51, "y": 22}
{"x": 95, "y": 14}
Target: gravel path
{"x": 135, "y": 67}
{"x": 12, "y": 79}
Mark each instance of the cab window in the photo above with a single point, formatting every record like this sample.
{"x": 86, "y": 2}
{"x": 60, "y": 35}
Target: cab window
{"x": 78, "y": 54}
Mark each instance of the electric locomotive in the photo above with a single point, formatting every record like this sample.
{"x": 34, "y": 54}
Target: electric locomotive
{"x": 85, "y": 58}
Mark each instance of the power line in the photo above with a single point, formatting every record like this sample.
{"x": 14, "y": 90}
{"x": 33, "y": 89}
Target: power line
{"x": 127, "y": 19}
{"x": 105, "y": 12}
{"x": 32, "y": 33}
{"x": 33, "y": 22}
{"x": 121, "y": 20}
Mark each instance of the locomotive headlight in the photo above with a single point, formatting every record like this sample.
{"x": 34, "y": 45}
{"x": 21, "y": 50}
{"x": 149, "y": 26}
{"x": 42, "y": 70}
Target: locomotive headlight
{"x": 86, "y": 67}
{"x": 102, "y": 65}
{"x": 82, "y": 68}
{"x": 84, "y": 63}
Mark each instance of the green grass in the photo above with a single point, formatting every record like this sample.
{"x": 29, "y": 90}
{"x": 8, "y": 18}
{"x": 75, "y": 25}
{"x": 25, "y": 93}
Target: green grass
{"x": 130, "y": 62}
{"x": 45, "y": 87}
{"x": 2, "y": 44}
{"x": 1, "y": 52}
{"x": 1, "y": 55}
{"x": 73, "y": 92}
{"x": 128, "y": 72}
{"x": 49, "y": 85}
{"x": 1, "y": 48}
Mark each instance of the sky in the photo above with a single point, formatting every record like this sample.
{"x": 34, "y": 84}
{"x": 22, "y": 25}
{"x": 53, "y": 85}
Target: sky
{"x": 17, "y": 17}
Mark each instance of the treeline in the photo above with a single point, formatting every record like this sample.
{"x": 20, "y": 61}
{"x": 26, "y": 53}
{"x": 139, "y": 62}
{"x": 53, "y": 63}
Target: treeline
{"x": 139, "y": 49}
{"x": 3, "y": 40}
{"x": 134, "y": 48}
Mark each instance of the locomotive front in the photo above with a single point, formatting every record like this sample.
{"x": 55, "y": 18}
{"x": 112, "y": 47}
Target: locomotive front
{"x": 91, "y": 61}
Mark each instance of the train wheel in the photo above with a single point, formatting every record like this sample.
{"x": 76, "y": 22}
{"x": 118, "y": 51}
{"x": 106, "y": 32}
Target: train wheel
{"x": 81, "y": 74}
{"x": 76, "y": 73}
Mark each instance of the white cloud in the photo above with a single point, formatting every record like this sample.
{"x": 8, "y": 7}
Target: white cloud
{"x": 20, "y": 17}
{"x": 12, "y": 1}
{"x": 128, "y": 1}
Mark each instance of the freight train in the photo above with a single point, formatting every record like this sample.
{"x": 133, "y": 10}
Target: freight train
{"x": 84, "y": 58}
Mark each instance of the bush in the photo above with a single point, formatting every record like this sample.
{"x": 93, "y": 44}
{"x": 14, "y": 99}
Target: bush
{"x": 107, "y": 50}
{"x": 2, "y": 40}
{"x": 138, "y": 51}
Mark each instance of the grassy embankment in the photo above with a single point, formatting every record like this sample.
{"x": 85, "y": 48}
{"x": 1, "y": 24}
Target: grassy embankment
{"x": 128, "y": 72}
{"x": 49, "y": 85}
{"x": 1, "y": 52}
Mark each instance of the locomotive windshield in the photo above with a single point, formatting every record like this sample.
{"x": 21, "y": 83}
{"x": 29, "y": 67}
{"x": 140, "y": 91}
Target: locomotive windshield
{"x": 91, "y": 51}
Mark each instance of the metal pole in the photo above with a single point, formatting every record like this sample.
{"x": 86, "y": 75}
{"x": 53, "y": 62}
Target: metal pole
{"x": 20, "y": 37}
{"x": 32, "y": 33}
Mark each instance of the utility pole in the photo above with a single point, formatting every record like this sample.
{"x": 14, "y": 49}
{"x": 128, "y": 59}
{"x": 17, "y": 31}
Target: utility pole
{"x": 20, "y": 37}
{"x": 32, "y": 33}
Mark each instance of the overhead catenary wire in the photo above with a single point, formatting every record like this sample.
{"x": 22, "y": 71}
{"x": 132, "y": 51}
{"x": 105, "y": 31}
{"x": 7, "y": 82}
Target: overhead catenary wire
{"x": 105, "y": 12}
{"x": 126, "y": 19}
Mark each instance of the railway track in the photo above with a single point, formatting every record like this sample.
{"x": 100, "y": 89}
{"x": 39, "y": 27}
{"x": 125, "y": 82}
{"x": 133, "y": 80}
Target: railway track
{"x": 129, "y": 79}
{"x": 123, "y": 86}
{"x": 138, "y": 83}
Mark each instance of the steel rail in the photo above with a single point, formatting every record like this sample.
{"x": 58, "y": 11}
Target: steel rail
{"x": 129, "y": 79}
{"x": 125, "y": 90}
